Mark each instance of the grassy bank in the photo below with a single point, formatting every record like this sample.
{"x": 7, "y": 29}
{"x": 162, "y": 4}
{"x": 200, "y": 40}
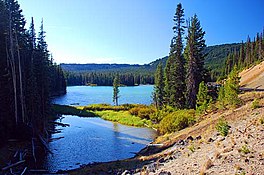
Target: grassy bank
{"x": 118, "y": 114}
{"x": 123, "y": 117}
{"x": 72, "y": 110}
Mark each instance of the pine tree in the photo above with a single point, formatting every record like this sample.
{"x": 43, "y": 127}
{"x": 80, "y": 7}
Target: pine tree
{"x": 158, "y": 94}
{"x": 247, "y": 59}
{"x": 175, "y": 72}
{"x": 203, "y": 99}
{"x": 194, "y": 55}
{"x": 116, "y": 90}
{"x": 241, "y": 56}
{"x": 231, "y": 88}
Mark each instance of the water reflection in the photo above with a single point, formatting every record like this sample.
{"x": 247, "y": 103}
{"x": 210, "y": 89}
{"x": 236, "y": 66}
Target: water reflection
{"x": 90, "y": 140}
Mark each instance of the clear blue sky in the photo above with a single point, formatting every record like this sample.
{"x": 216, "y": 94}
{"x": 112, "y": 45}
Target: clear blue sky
{"x": 135, "y": 31}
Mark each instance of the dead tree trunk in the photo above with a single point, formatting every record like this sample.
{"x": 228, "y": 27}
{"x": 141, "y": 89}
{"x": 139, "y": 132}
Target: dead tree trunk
{"x": 22, "y": 101}
{"x": 12, "y": 64}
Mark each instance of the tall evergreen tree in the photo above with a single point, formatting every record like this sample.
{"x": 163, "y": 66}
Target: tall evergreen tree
{"x": 175, "y": 72}
{"x": 158, "y": 94}
{"x": 194, "y": 55}
{"x": 247, "y": 59}
{"x": 241, "y": 56}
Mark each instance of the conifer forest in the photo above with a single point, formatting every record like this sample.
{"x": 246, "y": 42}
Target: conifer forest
{"x": 28, "y": 75}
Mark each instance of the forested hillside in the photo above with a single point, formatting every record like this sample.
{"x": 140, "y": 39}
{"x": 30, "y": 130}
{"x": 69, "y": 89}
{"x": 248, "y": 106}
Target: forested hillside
{"x": 102, "y": 74}
{"x": 28, "y": 76}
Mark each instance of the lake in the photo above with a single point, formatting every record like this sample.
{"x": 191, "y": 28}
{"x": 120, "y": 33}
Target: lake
{"x": 85, "y": 95}
{"x": 89, "y": 140}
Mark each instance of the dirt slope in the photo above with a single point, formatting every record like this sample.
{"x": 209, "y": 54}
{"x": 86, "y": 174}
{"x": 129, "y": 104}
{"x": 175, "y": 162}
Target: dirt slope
{"x": 241, "y": 152}
{"x": 253, "y": 78}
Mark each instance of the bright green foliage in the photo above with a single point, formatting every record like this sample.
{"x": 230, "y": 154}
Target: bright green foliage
{"x": 231, "y": 88}
{"x": 116, "y": 90}
{"x": 195, "y": 56}
{"x": 222, "y": 127}
{"x": 174, "y": 70}
{"x": 123, "y": 117}
{"x": 158, "y": 94}
{"x": 176, "y": 121}
{"x": 203, "y": 99}
{"x": 221, "y": 98}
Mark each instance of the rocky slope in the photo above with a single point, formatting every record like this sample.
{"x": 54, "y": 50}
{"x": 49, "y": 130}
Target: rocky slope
{"x": 240, "y": 152}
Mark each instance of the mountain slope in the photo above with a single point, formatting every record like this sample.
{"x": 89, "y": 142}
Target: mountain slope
{"x": 253, "y": 78}
{"x": 215, "y": 59}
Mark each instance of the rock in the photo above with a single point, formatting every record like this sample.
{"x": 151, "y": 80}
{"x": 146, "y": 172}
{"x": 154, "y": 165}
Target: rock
{"x": 126, "y": 172}
{"x": 210, "y": 140}
{"x": 151, "y": 167}
{"x": 181, "y": 142}
{"x": 190, "y": 138}
{"x": 165, "y": 173}
{"x": 162, "y": 160}
{"x": 198, "y": 137}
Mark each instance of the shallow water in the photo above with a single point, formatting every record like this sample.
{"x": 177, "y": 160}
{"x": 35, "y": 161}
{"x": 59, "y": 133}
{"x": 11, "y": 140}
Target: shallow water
{"x": 89, "y": 140}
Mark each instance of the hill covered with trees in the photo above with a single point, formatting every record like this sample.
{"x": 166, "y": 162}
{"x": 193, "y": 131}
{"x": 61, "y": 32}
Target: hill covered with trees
{"x": 134, "y": 74}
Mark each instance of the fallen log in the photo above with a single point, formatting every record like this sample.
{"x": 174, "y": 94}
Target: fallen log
{"x": 44, "y": 143}
{"x": 61, "y": 124}
{"x": 13, "y": 165}
{"x": 24, "y": 171}
{"x": 33, "y": 149}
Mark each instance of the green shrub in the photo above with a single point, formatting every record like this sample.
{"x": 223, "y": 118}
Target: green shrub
{"x": 191, "y": 148}
{"x": 142, "y": 111}
{"x": 203, "y": 99}
{"x": 255, "y": 104}
{"x": 145, "y": 112}
{"x": 244, "y": 149}
{"x": 176, "y": 121}
{"x": 222, "y": 127}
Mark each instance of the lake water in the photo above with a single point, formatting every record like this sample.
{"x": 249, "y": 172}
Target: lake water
{"x": 85, "y": 95}
{"x": 89, "y": 140}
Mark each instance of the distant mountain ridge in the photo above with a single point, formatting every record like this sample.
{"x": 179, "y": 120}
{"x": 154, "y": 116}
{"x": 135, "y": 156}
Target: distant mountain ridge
{"x": 214, "y": 60}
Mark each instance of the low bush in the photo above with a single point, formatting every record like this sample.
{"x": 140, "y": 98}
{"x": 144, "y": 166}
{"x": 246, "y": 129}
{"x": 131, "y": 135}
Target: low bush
{"x": 244, "y": 149}
{"x": 255, "y": 104}
{"x": 142, "y": 111}
{"x": 222, "y": 127}
{"x": 176, "y": 121}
